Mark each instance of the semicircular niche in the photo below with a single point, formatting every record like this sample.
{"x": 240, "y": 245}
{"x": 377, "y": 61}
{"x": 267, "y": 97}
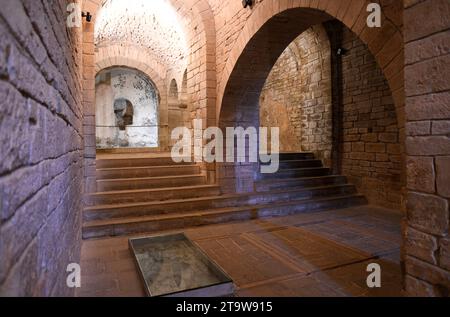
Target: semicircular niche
{"x": 126, "y": 106}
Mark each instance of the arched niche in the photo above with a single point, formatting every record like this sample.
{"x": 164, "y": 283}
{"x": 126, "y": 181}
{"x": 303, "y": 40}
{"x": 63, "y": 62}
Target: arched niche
{"x": 127, "y": 109}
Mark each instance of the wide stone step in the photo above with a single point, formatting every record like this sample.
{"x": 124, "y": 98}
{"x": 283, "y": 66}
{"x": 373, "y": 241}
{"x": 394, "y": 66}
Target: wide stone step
{"x": 151, "y": 224}
{"x": 147, "y": 171}
{"x": 150, "y": 182}
{"x": 292, "y": 164}
{"x": 147, "y": 195}
{"x": 205, "y": 203}
{"x": 296, "y": 156}
{"x": 137, "y": 162}
{"x": 298, "y": 172}
{"x": 276, "y": 184}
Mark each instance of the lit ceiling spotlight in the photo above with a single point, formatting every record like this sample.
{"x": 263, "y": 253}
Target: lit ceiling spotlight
{"x": 247, "y": 3}
{"x": 86, "y": 15}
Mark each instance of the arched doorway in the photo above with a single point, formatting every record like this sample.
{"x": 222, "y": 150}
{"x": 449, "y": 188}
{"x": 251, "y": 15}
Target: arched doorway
{"x": 240, "y": 102}
{"x": 381, "y": 148}
{"x": 127, "y": 109}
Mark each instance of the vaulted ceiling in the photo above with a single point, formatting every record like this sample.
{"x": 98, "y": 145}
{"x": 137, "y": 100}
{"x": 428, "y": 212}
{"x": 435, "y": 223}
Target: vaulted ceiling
{"x": 153, "y": 26}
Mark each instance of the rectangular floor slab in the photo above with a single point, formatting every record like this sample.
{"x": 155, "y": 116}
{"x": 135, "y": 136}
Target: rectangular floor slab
{"x": 171, "y": 265}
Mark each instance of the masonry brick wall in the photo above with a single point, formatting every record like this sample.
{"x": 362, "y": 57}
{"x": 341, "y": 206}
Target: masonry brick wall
{"x": 280, "y": 101}
{"x": 297, "y": 95}
{"x": 427, "y": 59}
{"x": 41, "y": 149}
{"x": 371, "y": 153}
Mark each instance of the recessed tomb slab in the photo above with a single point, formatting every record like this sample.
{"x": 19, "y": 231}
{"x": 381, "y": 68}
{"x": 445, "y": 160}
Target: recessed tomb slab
{"x": 173, "y": 266}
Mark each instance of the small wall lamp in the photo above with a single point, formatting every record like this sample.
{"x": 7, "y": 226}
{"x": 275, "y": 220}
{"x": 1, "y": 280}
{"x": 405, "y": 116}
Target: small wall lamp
{"x": 247, "y": 3}
{"x": 86, "y": 15}
{"x": 341, "y": 51}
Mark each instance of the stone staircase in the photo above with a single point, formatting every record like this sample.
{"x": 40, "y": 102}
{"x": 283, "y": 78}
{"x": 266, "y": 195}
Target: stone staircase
{"x": 144, "y": 194}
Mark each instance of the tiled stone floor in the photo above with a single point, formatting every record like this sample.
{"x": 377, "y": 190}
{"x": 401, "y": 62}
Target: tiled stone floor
{"x": 319, "y": 254}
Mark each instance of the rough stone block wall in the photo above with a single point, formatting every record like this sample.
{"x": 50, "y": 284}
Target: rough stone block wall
{"x": 297, "y": 95}
{"x": 280, "y": 104}
{"x": 427, "y": 54}
{"x": 371, "y": 153}
{"x": 41, "y": 148}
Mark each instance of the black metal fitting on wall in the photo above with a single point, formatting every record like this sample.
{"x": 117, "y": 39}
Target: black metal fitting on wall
{"x": 247, "y": 3}
{"x": 86, "y": 15}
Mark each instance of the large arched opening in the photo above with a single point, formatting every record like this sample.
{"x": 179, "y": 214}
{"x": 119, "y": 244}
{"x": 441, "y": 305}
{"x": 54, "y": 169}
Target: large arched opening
{"x": 367, "y": 143}
{"x": 127, "y": 105}
{"x": 193, "y": 18}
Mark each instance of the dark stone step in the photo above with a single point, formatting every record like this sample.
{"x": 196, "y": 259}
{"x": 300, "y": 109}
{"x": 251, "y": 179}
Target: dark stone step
{"x": 299, "y": 172}
{"x": 277, "y": 184}
{"x": 296, "y": 156}
{"x": 292, "y": 164}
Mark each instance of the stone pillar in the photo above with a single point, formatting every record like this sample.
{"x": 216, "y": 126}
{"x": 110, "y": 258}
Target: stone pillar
{"x": 427, "y": 60}
{"x": 334, "y": 29}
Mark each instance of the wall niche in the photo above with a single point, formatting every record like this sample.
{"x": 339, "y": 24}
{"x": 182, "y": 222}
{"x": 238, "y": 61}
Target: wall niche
{"x": 127, "y": 109}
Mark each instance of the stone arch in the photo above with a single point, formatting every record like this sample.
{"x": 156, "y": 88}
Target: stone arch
{"x": 269, "y": 30}
{"x": 385, "y": 43}
{"x": 130, "y": 55}
{"x": 201, "y": 26}
{"x": 129, "y": 109}
{"x": 199, "y": 22}
{"x": 112, "y": 61}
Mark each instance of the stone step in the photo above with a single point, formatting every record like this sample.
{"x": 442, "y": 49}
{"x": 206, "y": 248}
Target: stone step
{"x": 298, "y": 172}
{"x": 147, "y": 195}
{"x": 292, "y": 164}
{"x": 205, "y": 203}
{"x": 151, "y": 224}
{"x": 147, "y": 171}
{"x": 296, "y": 156}
{"x": 104, "y": 185}
{"x": 123, "y": 162}
{"x": 277, "y": 184}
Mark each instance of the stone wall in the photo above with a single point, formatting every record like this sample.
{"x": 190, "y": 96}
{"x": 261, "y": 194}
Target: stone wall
{"x": 427, "y": 55}
{"x": 297, "y": 95}
{"x": 232, "y": 26}
{"x": 371, "y": 153}
{"x": 41, "y": 151}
